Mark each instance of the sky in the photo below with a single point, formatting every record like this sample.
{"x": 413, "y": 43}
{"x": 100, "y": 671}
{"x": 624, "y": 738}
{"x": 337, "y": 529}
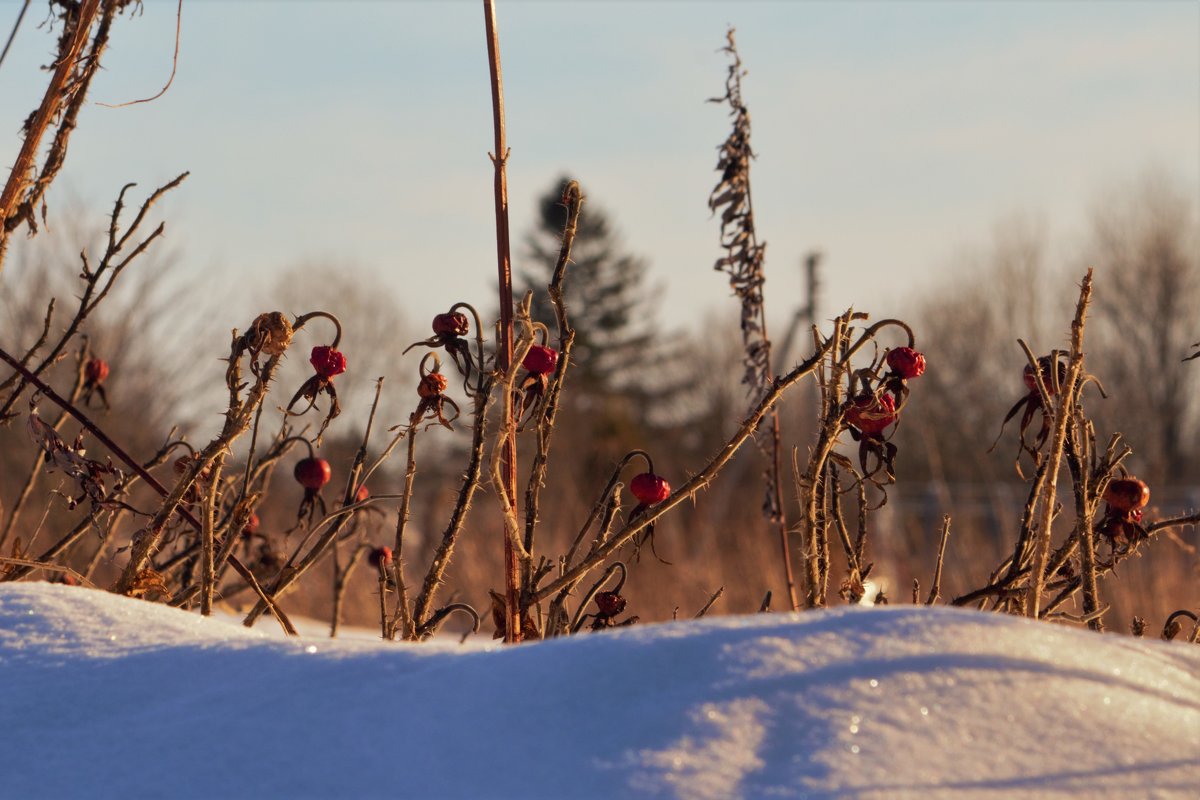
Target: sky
{"x": 889, "y": 134}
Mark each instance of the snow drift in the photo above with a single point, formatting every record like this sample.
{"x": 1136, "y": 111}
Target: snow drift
{"x": 111, "y": 697}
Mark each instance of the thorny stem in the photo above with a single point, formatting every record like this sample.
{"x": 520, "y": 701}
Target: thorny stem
{"x": 692, "y": 486}
{"x": 573, "y": 199}
{"x": 504, "y": 347}
{"x": 935, "y": 591}
{"x": 172, "y": 502}
{"x": 466, "y": 492}
{"x": 1062, "y": 413}
{"x": 52, "y": 102}
{"x": 40, "y": 458}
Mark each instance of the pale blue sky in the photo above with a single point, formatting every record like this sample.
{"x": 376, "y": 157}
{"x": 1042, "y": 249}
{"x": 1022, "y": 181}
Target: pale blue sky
{"x": 889, "y": 134}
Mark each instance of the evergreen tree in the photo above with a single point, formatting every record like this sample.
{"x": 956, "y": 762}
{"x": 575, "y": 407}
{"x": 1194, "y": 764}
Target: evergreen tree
{"x": 619, "y": 384}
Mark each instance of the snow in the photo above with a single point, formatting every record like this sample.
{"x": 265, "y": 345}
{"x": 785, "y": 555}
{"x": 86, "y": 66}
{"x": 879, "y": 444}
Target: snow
{"x": 110, "y": 697}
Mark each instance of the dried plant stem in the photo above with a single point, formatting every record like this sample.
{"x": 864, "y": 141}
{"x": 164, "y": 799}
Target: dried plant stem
{"x": 714, "y": 598}
{"x": 40, "y": 458}
{"x": 935, "y": 591}
{"x": 1063, "y": 410}
{"x": 466, "y": 493}
{"x": 98, "y": 281}
{"x": 573, "y": 199}
{"x": 504, "y": 347}
{"x": 50, "y": 106}
{"x": 207, "y": 538}
{"x": 600, "y": 552}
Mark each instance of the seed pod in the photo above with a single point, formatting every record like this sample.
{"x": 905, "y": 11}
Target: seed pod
{"x": 649, "y": 488}
{"x": 270, "y": 332}
{"x": 312, "y": 473}
{"x": 431, "y": 385}
{"x": 327, "y": 361}
{"x": 451, "y": 324}
{"x": 871, "y": 413}
{"x": 95, "y": 371}
{"x": 1127, "y": 494}
{"x": 906, "y": 362}
{"x": 540, "y": 360}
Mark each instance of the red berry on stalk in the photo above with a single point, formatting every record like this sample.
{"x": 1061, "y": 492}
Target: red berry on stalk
{"x": 312, "y": 473}
{"x": 431, "y": 385}
{"x": 380, "y": 555}
{"x": 454, "y": 323}
{"x": 95, "y": 371}
{"x": 1127, "y": 494}
{"x": 327, "y": 361}
{"x": 906, "y": 362}
{"x": 649, "y": 488}
{"x": 871, "y": 413}
{"x": 610, "y": 603}
{"x": 251, "y": 526}
{"x": 540, "y": 360}
{"x": 362, "y": 494}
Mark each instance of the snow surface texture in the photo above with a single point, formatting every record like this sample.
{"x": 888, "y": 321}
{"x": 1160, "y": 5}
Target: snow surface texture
{"x": 110, "y": 697}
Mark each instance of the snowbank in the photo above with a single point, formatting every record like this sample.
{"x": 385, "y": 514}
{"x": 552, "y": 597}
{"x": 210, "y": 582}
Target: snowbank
{"x": 110, "y": 697}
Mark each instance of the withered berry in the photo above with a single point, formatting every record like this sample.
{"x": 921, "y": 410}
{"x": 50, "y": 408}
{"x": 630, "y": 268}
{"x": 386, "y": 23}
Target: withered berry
{"x": 380, "y": 555}
{"x": 649, "y": 488}
{"x": 906, "y": 362}
{"x": 95, "y": 371}
{"x": 451, "y": 324}
{"x": 540, "y": 360}
{"x": 312, "y": 473}
{"x": 610, "y": 603}
{"x": 327, "y": 361}
{"x": 871, "y": 413}
{"x": 1127, "y": 494}
{"x": 431, "y": 385}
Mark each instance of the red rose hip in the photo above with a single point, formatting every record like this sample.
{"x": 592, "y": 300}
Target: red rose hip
{"x": 454, "y": 323}
{"x": 540, "y": 360}
{"x": 649, "y": 488}
{"x": 95, "y": 371}
{"x": 1127, "y": 494}
{"x": 327, "y": 361}
{"x": 312, "y": 473}
{"x": 906, "y": 362}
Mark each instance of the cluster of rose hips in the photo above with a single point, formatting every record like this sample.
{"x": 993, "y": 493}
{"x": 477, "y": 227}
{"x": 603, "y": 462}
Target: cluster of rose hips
{"x": 871, "y": 412}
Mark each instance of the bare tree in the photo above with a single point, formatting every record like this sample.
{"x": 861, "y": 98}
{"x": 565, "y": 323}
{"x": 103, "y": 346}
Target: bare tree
{"x": 1144, "y": 244}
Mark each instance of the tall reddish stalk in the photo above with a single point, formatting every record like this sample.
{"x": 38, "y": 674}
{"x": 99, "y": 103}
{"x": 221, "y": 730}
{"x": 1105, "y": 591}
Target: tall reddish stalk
{"x": 512, "y": 577}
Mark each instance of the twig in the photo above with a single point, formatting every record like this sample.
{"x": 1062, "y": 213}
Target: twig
{"x": 693, "y": 485}
{"x": 1062, "y": 414}
{"x": 504, "y": 345}
{"x": 174, "y": 65}
{"x": 715, "y": 596}
{"x": 935, "y": 591}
